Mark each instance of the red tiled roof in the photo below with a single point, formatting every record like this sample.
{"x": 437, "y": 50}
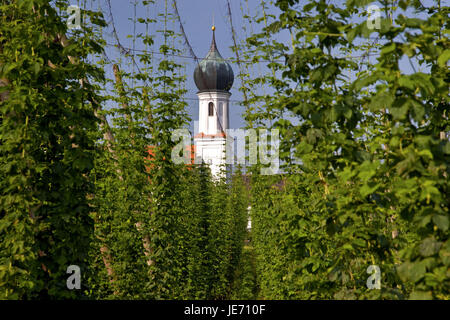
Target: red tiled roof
{"x": 151, "y": 153}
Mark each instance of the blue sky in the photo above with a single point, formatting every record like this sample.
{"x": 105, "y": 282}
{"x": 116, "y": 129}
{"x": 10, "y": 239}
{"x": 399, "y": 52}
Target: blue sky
{"x": 197, "y": 18}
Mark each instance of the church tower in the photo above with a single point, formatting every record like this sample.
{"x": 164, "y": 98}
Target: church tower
{"x": 213, "y": 77}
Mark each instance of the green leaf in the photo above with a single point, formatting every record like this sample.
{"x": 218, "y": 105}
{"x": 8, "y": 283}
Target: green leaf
{"x": 446, "y": 147}
{"x": 388, "y": 48}
{"x": 406, "y": 82}
{"x": 400, "y": 108}
{"x": 36, "y": 68}
{"x": 359, "y": 243}
{"x": 418, "y": 110}
{"x": 367, "y": 170}
{"x": 441, "y": 222}
{"x": 411, "y": 271}
{"x": 368, "y": 188}
{"x": 420, "y": 295}
{"x": 381, "y": 101}
{"x": 443, "y": 58}
{"x": 365, "y": 81}
{"x": 429, "y": 247}
{"x": 348, "y": 246}
{"x": 444, "y": 253}
{"x": 414, "y": 22}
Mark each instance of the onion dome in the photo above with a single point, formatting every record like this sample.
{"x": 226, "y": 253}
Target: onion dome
{"x": 213, "y": 73}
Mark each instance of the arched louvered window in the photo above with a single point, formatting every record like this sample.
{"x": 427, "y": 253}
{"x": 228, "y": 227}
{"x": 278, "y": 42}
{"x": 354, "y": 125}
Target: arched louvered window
{"x": 211, "y": 109}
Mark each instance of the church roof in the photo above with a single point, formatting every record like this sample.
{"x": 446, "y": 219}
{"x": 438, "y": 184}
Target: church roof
{"x": 213, "y": 73}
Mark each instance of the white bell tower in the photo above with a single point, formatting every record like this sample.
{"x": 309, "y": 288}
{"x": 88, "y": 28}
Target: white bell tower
{"x": 213, "y": 123}
{"x": 214, "y": 78}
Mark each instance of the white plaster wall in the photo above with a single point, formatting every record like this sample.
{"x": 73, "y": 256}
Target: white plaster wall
{"x": 212, "y": 150}
{"x": 210, "y": 125}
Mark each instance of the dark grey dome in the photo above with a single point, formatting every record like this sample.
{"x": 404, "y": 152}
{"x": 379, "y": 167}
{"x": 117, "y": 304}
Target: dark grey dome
{"x": 213, "y": 72}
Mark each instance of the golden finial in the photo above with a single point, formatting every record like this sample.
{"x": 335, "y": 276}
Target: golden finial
{"x": 213, "y": 28}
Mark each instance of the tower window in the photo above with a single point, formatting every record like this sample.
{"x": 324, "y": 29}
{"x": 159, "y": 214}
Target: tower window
{"x": 211, "y": 109}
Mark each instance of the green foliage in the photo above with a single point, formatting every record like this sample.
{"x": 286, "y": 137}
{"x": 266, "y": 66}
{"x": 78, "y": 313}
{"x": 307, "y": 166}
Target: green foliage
{"x": 245, "y": 286}
{"x": 76, "y": 190}
{"x": 372, "y": 184}
{"x": 364, "y": 150}
{"x": 46, "y": 152}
